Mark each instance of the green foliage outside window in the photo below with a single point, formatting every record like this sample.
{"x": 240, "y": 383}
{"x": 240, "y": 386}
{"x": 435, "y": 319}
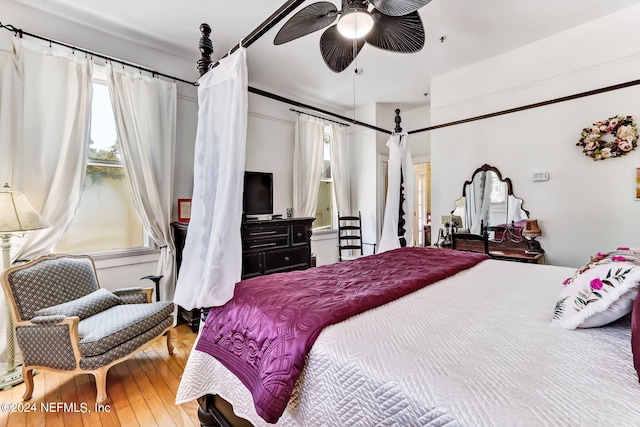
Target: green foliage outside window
{"x": 112, "y": 167}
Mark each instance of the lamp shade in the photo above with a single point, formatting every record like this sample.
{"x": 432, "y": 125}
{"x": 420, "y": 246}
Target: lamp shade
{"x": 531, "y": 228}
{"x": 355, "y": 22}
{"x": 17, "y": 214}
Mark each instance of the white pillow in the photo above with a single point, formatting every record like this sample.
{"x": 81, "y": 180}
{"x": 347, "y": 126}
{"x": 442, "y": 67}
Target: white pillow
{"x": 599, "y": 293}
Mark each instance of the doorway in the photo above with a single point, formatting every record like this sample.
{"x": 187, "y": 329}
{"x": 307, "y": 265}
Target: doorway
{"x": 422, "y": 197}
{"x": 422, "y": 205}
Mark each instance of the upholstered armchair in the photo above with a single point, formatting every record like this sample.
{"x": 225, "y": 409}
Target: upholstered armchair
{"x": 65, "y": 322}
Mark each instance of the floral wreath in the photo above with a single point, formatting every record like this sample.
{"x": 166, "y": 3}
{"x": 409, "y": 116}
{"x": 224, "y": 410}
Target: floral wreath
{"x": 625, "y": 138}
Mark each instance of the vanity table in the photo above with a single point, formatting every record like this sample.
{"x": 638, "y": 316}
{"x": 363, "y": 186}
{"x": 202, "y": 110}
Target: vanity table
{"x": 489, "y": 206}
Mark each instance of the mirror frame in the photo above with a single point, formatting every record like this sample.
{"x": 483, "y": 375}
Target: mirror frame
{"x": 484, "y": 168}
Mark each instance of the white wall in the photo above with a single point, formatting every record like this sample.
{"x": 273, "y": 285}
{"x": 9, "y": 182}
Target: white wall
{"x": 270, "y": 141}
{"x": 586, "y": 206}
{"x": 364, "y": 184}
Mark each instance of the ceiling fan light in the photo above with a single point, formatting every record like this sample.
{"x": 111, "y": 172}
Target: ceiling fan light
{"x": 355, "y": 23}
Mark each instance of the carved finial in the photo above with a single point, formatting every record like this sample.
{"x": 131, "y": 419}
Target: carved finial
{"x": 398, "y": 129}
{"x": 206, "y": 49}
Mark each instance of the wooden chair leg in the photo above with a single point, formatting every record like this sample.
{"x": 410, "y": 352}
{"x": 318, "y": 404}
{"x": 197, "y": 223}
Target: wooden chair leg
{"x": 169, "y": 341}
{"x": 27, "y": 377}
{"x": 101, "y": 385}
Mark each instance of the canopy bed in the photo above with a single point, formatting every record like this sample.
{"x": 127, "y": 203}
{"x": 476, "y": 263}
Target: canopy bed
{"x": 420, "y": 336}
{"x": 466, "y": 360}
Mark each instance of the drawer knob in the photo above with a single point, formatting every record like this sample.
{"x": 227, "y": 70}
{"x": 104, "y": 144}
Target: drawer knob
{"x": 299, "y": 234}
{"x": 287, "y": 258}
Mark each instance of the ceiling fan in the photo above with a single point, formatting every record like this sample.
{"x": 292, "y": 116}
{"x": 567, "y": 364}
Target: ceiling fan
{"x": 393, "y": 25}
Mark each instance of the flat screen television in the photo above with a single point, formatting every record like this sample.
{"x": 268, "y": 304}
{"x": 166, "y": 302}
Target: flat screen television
{"x": 258, "y": 193}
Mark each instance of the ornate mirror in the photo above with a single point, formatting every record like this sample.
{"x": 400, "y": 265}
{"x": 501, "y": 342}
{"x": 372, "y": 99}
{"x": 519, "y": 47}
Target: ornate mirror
{"x": 488, "y": 199}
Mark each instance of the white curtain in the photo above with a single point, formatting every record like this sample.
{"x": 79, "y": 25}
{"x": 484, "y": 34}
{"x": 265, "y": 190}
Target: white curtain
{"x": 145, "y": 113}
{"x": 469, "y": 206}
{"x": 340, "y": 168}
{"x": 51, "y": 159}
{"x": 45, "y": 104}
{"x": 307, "y": 165}
{"x": 10, "y": 106}
{"x": 212, "y": 255}
{"x": 400, "y": 164}
{"x": 483, "y": 184}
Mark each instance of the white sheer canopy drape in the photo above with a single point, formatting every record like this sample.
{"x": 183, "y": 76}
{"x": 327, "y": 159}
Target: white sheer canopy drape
{"x": 145, "y": 114}
{"x": 307, "y": 165}
{"x": 45, "y": 103}
{"x": 340, "y": 168}
{"x": 212, "y": 255}
{"x": 400, "y": 165}
{"x": 482, "y": 183}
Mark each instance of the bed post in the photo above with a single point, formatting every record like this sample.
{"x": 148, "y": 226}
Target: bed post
{"x": 206, "y": 49}
{"x": 401, "y": 220}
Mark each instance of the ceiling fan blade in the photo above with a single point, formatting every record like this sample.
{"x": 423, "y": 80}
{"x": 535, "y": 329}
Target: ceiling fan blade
{"x": 398, "y": 7}
{"x": 312, "y": 18}
{"x": 396, "y": 33}
{"x": 337, "y": 51}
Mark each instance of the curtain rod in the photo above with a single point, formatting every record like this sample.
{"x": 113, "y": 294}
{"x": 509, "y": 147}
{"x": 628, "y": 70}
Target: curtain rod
{"x": 318, "y": 117}
{"x": 19, "y": 33}
{"x": 534, "y": 105}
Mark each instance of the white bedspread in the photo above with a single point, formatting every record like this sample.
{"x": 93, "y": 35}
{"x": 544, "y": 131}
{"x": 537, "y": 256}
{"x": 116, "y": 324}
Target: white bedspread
{"x": 476, "y": 349}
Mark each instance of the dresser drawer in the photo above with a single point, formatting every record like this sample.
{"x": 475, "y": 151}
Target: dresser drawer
{"x": 264, "y": 231}
{"x": 261, "y": 244}
{"x": 286, "y": 259}
{"x": 299, "y": 235}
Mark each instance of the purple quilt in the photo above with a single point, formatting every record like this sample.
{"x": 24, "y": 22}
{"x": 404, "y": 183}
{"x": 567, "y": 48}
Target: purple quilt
{"x": 265, "y": 332}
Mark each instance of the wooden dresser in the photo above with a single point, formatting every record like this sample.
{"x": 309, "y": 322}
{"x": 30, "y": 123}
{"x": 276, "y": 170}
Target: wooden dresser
{"x": 268, "y": 246}
{"x": 275, "y": 245}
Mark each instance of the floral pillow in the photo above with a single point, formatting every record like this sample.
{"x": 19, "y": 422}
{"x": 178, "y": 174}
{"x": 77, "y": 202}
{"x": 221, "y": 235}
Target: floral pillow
{"x": 601, "y": 292}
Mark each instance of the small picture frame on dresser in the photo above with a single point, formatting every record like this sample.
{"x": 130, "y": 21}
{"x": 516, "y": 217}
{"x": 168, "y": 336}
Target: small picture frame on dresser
{"x": 184, "y": 210}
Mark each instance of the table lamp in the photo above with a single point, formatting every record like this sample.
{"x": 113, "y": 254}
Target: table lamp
{"x": 530, "y": 231}
{"x": 17, "y": 216}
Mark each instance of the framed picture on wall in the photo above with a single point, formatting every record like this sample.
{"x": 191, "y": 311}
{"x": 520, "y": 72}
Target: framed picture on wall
{"x": 184, "y": 210}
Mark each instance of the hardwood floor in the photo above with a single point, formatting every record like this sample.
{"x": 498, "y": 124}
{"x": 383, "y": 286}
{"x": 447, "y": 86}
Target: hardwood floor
{"x": 141, "y": 392}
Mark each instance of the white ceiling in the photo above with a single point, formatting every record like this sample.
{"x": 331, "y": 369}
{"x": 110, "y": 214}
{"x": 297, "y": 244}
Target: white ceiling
{"x": 473, "y": 30}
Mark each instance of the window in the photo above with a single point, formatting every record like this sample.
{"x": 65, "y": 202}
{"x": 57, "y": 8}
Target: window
{"x": 324, "y": 210}
{"x": 106, "y": 219}
{"x": 498, "y": 190}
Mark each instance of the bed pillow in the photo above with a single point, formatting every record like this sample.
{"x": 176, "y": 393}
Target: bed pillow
{"x": 635, "y": 336}
{"x": 599, "y": 293}
{"x": 82, "y": 307}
